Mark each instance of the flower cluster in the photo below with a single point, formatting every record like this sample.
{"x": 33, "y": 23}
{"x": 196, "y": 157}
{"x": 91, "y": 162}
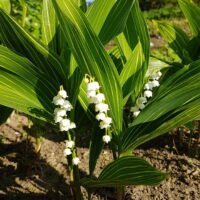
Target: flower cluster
{"x": 148, "y": 87}
{"x": 69, "y": 148}
{"x": 60, "y": 112}
{"x": 97, "y": 98}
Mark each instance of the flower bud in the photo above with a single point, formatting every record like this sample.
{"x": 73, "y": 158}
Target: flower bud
{"x": 75, "y": 161}
{"x": 62, "y": 93}
{"x": 106, "y": 138}
{"x": 148, "y": 93}
{"x": 67, "y": 152}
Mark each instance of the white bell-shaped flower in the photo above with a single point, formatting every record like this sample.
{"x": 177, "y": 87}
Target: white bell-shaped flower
{"x": 62, "y": 93}
{"x": 70, "y": 144}
{"x": 93, "y": 86}
{"x": 72, "y": 125}
{"x": 135, "y": 114}
{"x": 58, "y": 119}
{"x": 155, "y": 83}
{"x": 148, "y": 93}
{"x": 67, "y": 105}
{"x": 106, "y": 138}
{"x": 101, "y": 107}
{"x": 65, "y": 122}
{"x": 104, "y": 124}
{"x": 91, "y": 93}
{"x": 61, "y": 112}
{"x": 155, "y": 76}
{"x": 100, "y": 116}
{"x": 67, "y": 152}
{"x": 75, "y": 161}
{"x": 159, "y": 74}
{"x": 141, "y": 106}
{"x": 58, "y": 101}
{"x": 99, "y": 98}
{"x": 141, "y": 100}
{"x": 148, "y": 85}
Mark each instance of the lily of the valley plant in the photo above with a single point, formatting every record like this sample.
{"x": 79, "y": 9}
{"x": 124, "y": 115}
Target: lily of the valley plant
{"x": 71, "y": 80}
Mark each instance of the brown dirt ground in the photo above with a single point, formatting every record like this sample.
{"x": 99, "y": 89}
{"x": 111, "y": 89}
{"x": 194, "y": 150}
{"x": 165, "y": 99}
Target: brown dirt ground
{"x": 27, "y": 175}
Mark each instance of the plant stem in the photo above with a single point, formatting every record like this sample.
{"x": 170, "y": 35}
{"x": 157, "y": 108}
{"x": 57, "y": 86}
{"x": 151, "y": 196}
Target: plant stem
{"x": 76, "y": 185}
{"x": 120, "y": 193}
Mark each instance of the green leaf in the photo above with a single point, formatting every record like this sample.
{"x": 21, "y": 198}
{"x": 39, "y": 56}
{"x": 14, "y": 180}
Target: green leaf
{"x": 5, "y": 5}
{"x": 116, "y": 20}
{"x": 108, "y": 18}
{"x": 17, "y": 39}
{"x": 177, "y": 39}
{"x": 139, "y": 134}
{"x": 96, "y": 145}
{"x": 90, "y": 55}
{"x": 176, "y": 103}
{"x": 5, "y": 112}
{"x": 98, "y": 12}
{"x": 192, "y": 13}
{"x": 132, "y": 75}
{"x": 181, "y": 87}
{"x": 21, "y": 80}
{"x": 125, "y": 171}
{"x": 49, "y": 26}
{"x": 135, "y": 31}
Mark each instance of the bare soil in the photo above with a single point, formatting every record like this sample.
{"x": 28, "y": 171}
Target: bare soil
{"x": 28, "y": 175}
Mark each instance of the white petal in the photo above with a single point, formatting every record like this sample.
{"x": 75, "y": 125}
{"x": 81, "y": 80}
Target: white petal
{"x": 107, "y": 120}
{"x": 148, "y": 93}
{"x": 103, "y": 125}
{"x": 58, "y": 119}
{"x": 61, "y": 112}
{"x": 65, "y": 123}
{"x": 67, "y": 152}
{"x": 99, "y": 98}
{"x": 159, "y": 74}
{"x": 76, "y": 161}
{"x": 58, "y": 101}
{"x": 135, "y": 114}
{"x": 100, "y": 116}
{"x": 91, "y": 93}
{"x": 70, "y": 144}
{"x": 106, "y": 138}
{"x": 63, "y": 94}
{"x": 155, "y": 83}
{"x": 101, "y": 107}
{"x": 155, "y": 77}
{"x": 67, "y": 105}
{"x": 141, "y": 106}
{"x": 93, "y": 86}
{"x": 148, "y": 85}
{"x": 141, "y": 100}
{"x": 72, "y": 125}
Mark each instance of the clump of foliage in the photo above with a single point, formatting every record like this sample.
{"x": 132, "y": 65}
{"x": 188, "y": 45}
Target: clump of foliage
{"x": 72, "y": 68}
{"x": 186, "y": 47}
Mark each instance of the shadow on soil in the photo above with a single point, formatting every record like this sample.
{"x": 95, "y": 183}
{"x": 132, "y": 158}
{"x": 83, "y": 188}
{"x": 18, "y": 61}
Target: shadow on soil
{"x": 22, "y": 167}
